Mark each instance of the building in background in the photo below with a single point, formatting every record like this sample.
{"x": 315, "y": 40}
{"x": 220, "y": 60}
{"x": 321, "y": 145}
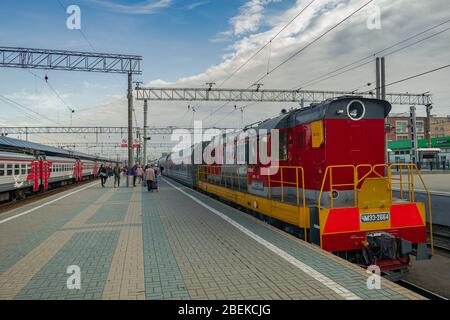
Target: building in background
{"x": 436, "y": 155}
{"x": 440, "y": 127}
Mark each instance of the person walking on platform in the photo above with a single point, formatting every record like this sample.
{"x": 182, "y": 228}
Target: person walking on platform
{"x": 133, "y": 173}
{"x": 116, "y": 172}
{"x": 109, "y": 170}
{"x": 139, "y": 173}
{"x": 158, "y": 174}
{"x": 150, "y": 178}
{"x": 103, "y": 173}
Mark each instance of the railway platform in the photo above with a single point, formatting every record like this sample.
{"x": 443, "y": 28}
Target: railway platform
{"x": 172, "y": 244}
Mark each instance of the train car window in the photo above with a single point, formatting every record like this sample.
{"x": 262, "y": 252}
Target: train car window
{"x": 283, "y": 151}
{"x": 28, "y": 168}
{"x": 16, "y": 169}
{"x": 9, "y": 171}
{"x": 23, "y": 169}
{"x": 2, "y": 169}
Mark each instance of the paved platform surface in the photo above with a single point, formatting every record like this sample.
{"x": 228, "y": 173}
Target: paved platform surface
{"x": 171, "y": 244}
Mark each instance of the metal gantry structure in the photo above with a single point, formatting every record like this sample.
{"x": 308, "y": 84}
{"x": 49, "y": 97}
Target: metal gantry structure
{"x": 267, "y": 95}
{"x": 153, "y": 130}
{"x": 105, "y": 144}
{"x": 15, "y": 57}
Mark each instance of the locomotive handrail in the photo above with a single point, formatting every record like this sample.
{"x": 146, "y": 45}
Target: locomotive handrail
{"x": 413, "y": 167}
{"x": 356, "y": 180}
{"x": 299, "y": 173}
{"x": 330, "y": 170}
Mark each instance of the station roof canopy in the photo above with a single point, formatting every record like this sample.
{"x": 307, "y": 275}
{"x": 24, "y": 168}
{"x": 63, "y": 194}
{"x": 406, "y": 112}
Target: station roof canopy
{"x": 17, "y": 145}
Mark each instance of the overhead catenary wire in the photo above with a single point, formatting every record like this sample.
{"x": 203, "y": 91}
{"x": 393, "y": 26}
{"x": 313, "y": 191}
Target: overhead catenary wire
{"x": 371, "y": 56}
{"x": 331, "y": 75}
{"x": 53, "y": 89}
{"x": 298, "y": 52}
{"x": 23, "y": 107}
{"x": 256, "y": 53}
{"x": 411, "y": 77}
{"x": 266, "y": 44}
{"x": 310, "y": 43}
{"x": 334, "y": 74}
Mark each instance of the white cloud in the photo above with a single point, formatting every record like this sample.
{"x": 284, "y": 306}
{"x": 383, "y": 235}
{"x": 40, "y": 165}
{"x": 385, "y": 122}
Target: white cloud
{"x": 249, "y": 19}
{"x": 159, "y": 83}
{"x": 144, "y": 7}
{"x": 194, "y": 5}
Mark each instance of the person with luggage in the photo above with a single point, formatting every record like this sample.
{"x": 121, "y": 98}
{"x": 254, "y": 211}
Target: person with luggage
{"x": 150, "y": 178}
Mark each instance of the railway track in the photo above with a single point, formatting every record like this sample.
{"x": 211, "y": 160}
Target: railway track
{"x": 441, "y": 238}
{"x": 419, "y": 290}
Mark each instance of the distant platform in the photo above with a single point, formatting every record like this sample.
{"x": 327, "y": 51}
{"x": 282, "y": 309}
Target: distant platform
{"x": 171, "y": 244}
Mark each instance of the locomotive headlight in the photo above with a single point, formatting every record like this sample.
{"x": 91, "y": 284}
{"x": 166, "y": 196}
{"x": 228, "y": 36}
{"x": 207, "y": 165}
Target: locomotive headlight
{"x": 356, "y": 110}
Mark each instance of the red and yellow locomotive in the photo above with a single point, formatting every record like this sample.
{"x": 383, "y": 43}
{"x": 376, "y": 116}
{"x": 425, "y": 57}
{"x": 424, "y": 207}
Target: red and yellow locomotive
{"x": 330, "y": 186}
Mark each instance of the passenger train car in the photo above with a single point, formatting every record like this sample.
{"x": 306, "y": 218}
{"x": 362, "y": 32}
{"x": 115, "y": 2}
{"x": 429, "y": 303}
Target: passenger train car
{"x": 27, "y": 168}
{"x": 330, "y": 185}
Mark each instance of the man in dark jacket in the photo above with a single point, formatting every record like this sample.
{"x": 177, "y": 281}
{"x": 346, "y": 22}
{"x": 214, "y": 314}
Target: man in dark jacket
{"x": 103, "y": 173}
{"x": 116, "y": 172}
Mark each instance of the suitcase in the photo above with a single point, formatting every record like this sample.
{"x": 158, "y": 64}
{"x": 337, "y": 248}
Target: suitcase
{"x": 155, "y": 185}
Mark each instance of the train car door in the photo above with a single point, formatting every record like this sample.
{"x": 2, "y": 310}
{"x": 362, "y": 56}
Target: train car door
{"x": 45, "y": 173}
{"x": 80, "y": 170}
{"x": 95, "y": 168}
{"x": 35, "y": 171}
{"x": 77, "y": 170}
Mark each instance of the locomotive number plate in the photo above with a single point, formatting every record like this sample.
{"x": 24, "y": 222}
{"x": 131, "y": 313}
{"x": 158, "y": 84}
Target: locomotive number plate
{"x": 374, "y": 217}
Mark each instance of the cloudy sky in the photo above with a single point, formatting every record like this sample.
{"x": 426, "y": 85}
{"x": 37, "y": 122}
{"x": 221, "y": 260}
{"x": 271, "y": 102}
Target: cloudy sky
{"x": 191, "y": 42}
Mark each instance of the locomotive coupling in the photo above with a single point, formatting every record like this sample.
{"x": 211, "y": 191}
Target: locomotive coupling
{"x": 383, "y": 245}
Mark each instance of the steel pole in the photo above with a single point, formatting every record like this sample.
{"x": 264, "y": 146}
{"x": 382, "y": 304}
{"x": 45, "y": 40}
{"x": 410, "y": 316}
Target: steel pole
{"x": 377, "y": 78}
{"x": 428, "y": 125}
{"x": 383, "y": 79}
{"x": 414, "y": 152}
{"x": 130, "y": 124}
{"x": 145, "y": 131}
